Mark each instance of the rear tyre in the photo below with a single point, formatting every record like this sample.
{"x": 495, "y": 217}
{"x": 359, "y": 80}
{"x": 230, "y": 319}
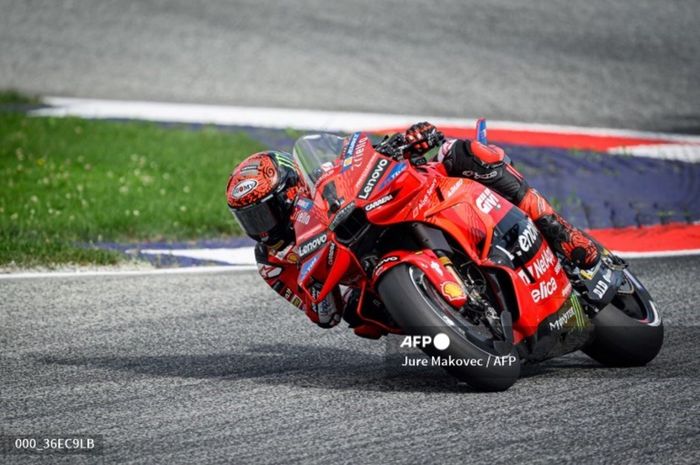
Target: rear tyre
{"x": 419, "y": 309}
{"x": 629, "y": 331}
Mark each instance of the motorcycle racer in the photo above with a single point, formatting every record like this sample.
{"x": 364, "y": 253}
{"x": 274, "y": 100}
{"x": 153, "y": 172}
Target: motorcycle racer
{"x": 262, "y": 190}
{"x": 261, "y": 193}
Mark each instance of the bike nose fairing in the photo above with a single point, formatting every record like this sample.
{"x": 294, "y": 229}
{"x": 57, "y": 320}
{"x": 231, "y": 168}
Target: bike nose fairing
{"x": 344, "y": 176}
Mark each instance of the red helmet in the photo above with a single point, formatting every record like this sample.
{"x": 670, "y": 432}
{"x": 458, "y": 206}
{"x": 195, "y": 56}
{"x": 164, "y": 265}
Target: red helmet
{"x": 260, "y": 194}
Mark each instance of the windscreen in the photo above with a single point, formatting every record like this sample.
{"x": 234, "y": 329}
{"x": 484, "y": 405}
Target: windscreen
{"x": 316, "y": 153}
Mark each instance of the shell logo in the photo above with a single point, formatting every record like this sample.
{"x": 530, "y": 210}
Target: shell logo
{"x": 452, "y": 291}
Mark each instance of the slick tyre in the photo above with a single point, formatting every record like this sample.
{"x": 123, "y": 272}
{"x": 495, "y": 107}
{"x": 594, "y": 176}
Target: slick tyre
{"x": 419, "y": 309}
{"x": 628, "y": 332}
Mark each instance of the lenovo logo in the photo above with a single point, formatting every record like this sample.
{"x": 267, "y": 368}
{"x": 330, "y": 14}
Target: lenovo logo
{"x": 312, "y": 245}
{"x": 373, "y": 178}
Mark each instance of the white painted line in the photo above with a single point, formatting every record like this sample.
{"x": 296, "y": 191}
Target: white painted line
{"x": 238, "y": 256}
{"x": 658, "y": 254}
{"x": 246, "y": 255}
{"x": 684, "y": 152}
{"x": 157, "y": 271}
{"x": 283, "y": 118}
{"x": 252, "y": 267}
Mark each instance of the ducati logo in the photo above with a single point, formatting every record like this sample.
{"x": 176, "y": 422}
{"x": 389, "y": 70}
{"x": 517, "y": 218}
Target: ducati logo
{"x": 243, "y": 188}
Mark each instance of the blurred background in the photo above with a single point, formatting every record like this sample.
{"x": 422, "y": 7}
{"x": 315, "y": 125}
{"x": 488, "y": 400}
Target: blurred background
{"x": 631, "y": 64}
{"x": 77, "y": 182}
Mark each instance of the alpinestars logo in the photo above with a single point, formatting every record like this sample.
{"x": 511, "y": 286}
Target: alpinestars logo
{"x": 373, "y": 178}
{"x": 477, "y": 176}
{"x": 312, "y": 245}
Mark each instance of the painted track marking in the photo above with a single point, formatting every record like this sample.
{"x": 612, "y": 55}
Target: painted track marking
{"x": 615, "y": 141}
{"x": 158, "y": 271}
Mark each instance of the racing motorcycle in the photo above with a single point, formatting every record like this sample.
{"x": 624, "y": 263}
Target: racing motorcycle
{"x": 455, "y": 264}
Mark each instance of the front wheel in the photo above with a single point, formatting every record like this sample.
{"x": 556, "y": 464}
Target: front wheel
{"x": 629, "y": 331}
{"x": 419, "y": 309}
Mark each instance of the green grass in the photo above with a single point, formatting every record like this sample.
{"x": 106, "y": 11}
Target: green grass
{"x": 13, "y": 96}
{"x": 70, "y": 182}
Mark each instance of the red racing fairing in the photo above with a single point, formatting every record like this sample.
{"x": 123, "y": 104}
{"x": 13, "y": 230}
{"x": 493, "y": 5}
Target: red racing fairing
{"x": 364, "y": 193}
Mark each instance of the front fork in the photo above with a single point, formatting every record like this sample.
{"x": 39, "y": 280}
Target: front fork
{"x": 476, "y": 308}
{"x": 433, "y": 239}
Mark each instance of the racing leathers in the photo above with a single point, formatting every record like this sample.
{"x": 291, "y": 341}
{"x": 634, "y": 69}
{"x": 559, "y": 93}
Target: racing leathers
{"x": 489, "y": 165}
{"x": 486, "y": 164}
{"x": 279, "y": 268}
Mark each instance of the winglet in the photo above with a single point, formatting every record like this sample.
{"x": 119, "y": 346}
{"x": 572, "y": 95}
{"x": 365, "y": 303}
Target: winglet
{"x": 481, "y": 131}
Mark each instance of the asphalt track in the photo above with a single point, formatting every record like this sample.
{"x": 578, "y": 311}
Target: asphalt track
{"x": 215, "y": 368}
{"x": 595, "y": 63}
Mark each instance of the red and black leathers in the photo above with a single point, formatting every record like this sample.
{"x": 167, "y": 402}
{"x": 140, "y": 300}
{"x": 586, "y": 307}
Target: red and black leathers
{"x": 490, "y": 166}
{"x": 280, "y": 271}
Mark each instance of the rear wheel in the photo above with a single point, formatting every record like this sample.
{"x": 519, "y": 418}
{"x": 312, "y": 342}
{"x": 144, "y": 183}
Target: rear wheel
{"x": 487, "y": 363}
{"x": 629, "y": 331}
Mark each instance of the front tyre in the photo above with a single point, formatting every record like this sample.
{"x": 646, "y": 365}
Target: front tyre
{"x": 419, "y": 309}
{"x": 629, "y": 331}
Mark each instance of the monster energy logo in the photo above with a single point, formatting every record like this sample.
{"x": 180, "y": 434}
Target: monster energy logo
{"x": 578, "y": 312}
{"x": 284, "y": 159}
{"x": 575, "y": 312}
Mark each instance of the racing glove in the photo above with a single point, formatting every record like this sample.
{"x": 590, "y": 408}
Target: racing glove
{"x": 392, "y": 146}
{"x": 422, "y": 137}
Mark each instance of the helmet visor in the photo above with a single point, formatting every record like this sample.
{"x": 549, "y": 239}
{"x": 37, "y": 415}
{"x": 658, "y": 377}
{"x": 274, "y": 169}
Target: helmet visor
{"x": 259, "y": 218}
